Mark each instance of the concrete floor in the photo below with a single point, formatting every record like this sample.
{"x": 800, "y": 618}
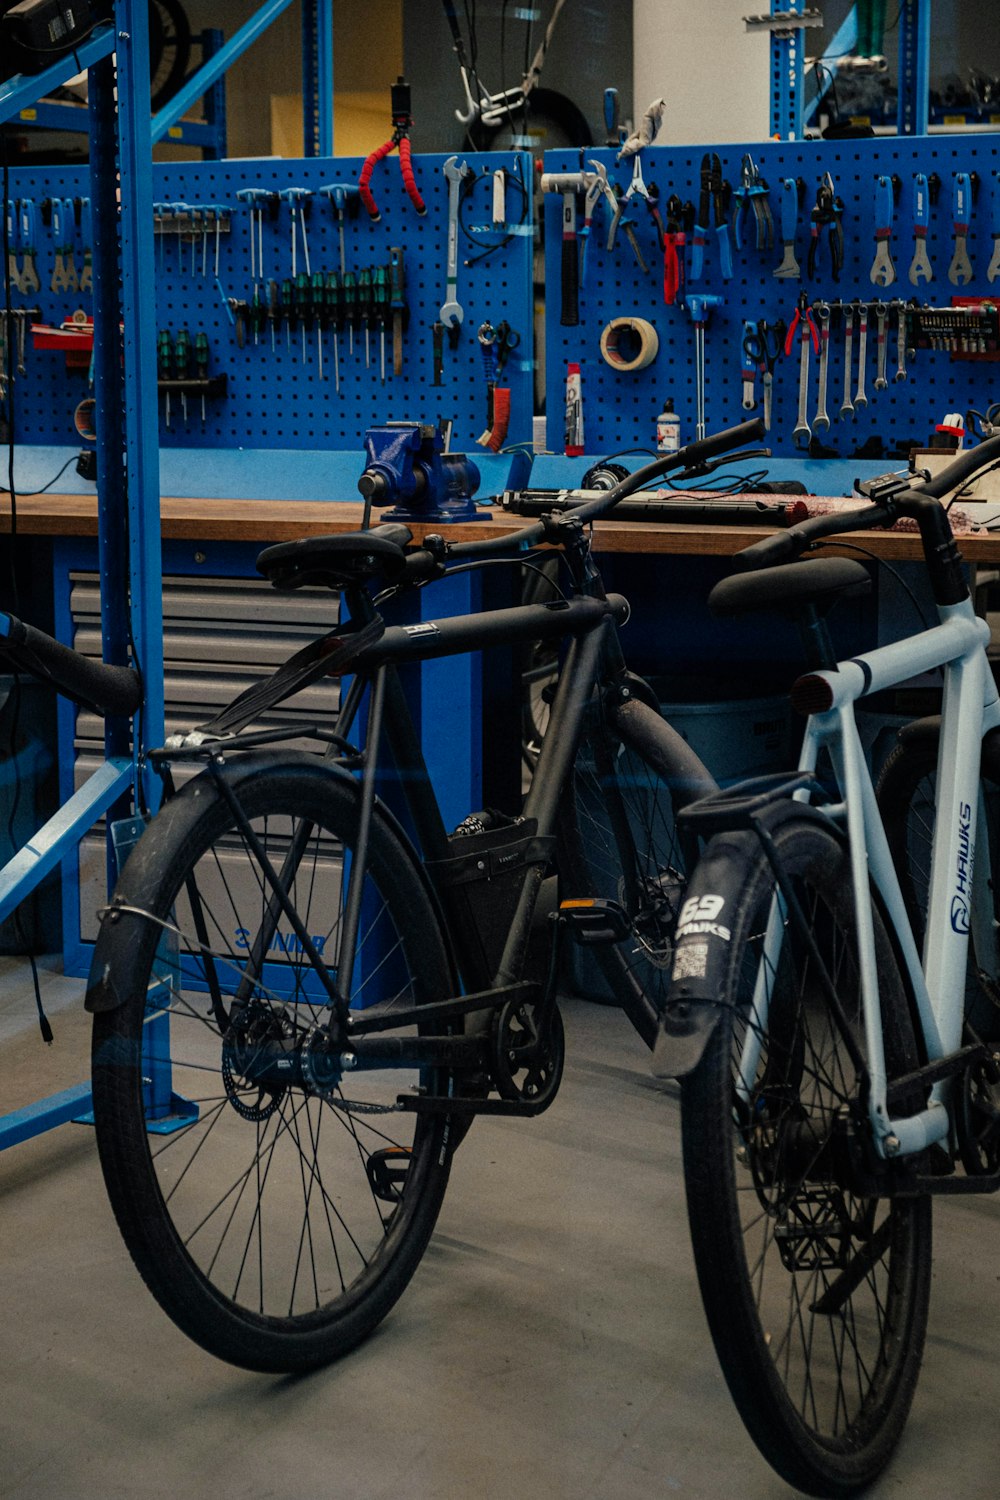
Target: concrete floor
{"x": 551, "y": 1345}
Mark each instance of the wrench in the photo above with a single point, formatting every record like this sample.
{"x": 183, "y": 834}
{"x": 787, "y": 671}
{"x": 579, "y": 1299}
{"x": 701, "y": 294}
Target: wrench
{"x": 847, "y": 406}
{"x": 60, "y": 276}
{"x": 69, "y": 254}
{"x": 29, "y": 281}
{"x": 900, "y": 341}
{"x": 13, "y": 273}
{"x": 789, "y": 267}
{"x": 749, "y": 367}
{"x": 451, "y": 313}
{"x": 821, "y": 421}
{"x": 920, "y": 266}
{"x": 960, "y": 270}
{"x": 860, "y": 399}
{"x": 993, "y": 270}
{"x": 883, "y": 272}
{"x": 87, "y": 274}
{"x": 881, "y": 316}
{"x": 801, "y": 433}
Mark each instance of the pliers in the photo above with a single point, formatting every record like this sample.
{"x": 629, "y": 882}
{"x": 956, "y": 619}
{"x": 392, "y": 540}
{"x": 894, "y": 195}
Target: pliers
{"x": 753, "y": 191}
{"x": 621, "y": 203}
{"x": 717, "y": 192}
{"x": 762, "y": 343}
{"x": 827, "y": 213}
{"x": 680, "y": 220}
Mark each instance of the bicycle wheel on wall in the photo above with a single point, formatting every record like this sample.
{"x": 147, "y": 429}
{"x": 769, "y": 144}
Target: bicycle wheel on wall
{"x": 816, "y": 1295}
{"x": 618, "y": 840}
{"x": 276, "y": 1226}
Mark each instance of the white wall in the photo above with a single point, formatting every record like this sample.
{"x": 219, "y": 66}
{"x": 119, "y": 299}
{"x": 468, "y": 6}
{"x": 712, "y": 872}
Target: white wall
{"x": 713, "y": 73}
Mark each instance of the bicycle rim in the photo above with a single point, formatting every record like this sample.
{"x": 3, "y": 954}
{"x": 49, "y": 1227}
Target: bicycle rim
{"x": 816, "y": 1294}
{"x": 275, "y": 1224}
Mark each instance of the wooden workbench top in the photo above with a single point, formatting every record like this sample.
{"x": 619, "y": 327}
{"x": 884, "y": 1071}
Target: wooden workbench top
{"x": 266, "y": 521}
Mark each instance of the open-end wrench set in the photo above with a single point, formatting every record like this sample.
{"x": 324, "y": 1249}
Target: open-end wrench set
{"x": 325, "y": 318}
{"x": 846, "y": 291}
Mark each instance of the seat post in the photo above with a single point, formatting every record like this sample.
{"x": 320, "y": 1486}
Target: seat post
{"x": 816, "y": 641}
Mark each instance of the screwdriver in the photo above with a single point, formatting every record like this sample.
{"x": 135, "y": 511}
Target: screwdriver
{"x": 165, "y": 365}
{"x": 365, "y": 307}
{"x": 335, "y": 313}
{"x": 349, "y": 282}
{"x": 398, "y": 303}
{"x": 318, "y": 292}
{"x": 380, "y": 303}
{"x": 273, "y": 309}
{"x": 201, "y": 365}
{"x": 303, "y": 306}
{"x": 288, "y": 310}
{"x": 257, "y": 314}
{"x": 182, "y": 356}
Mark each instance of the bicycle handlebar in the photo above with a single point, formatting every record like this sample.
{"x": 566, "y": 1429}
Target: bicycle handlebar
{"x": 785, "y": 546}
{"x": 108, "y": 690}
{"x": 690, "y": 457}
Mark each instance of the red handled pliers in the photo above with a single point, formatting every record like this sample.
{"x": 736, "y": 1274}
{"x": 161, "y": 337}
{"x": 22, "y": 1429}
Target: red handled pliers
{"x": 402, "y": 121}
{"x": 809, "y": 330}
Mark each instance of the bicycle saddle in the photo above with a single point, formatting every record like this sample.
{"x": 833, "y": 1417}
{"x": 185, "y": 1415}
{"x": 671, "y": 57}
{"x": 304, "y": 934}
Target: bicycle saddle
{"x": 787, "y": 587}
{"x": 335, "y": 562}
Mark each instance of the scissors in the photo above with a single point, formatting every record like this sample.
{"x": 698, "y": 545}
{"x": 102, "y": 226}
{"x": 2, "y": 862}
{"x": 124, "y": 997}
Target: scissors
{"x": 763, "y": 342}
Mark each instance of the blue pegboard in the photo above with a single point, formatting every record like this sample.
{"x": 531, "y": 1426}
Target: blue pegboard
{"x": 620, "y": 409}
{"x": 274, "y": 400}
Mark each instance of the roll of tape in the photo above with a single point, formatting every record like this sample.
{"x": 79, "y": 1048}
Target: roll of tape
{"x": 85, "y": 420}
{"x": 629, "y": 344}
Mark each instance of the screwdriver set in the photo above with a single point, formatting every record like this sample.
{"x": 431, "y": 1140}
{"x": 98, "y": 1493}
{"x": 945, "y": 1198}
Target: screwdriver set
{"x": 876, "y": 261}
{"x": 288, "y": 317}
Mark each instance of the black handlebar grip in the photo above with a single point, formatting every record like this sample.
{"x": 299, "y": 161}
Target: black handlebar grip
{"x": 108, "y": 690}
{"x": 705, "y": 448}
{"x": 770, "y": 550}
{"x": 570, "y": 266}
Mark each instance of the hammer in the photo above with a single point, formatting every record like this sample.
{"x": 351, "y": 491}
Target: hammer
{"x": 569, "y": 184}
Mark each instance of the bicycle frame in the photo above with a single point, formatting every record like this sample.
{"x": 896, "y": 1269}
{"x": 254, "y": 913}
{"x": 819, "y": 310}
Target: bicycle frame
{"x": 959, "y": 889}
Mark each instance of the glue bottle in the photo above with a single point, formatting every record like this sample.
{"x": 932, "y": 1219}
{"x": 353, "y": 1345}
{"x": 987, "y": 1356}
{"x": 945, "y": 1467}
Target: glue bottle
{"x": 668, "y": 429}
{"x": 574, "y": 412}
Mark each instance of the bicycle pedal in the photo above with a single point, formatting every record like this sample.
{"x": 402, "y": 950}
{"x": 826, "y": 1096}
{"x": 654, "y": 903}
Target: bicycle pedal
{"x": 387, "y": 1171}
{"x": 595, "y": 919}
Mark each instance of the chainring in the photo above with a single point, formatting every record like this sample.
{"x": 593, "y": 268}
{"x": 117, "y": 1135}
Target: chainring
{"x": 528, "y": 1061}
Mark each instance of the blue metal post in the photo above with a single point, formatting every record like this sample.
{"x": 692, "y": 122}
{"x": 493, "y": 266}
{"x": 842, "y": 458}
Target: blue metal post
{"x": 914, "y": 67}
{"x": 787, "y": 74}
{"x": 317, "y": 77}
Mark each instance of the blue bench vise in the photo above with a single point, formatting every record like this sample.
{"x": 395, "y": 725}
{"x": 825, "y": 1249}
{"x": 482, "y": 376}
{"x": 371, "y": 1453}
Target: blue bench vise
{"x": 408, "y": 469}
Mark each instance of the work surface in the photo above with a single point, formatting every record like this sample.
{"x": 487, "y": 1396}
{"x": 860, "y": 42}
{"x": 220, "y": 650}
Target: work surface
{"x": 267, "y": 521}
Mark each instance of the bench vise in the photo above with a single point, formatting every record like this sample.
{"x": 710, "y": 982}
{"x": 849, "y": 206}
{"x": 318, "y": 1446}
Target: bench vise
{"x": 408, "y": 469}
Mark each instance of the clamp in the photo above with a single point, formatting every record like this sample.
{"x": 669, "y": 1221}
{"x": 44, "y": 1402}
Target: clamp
{"x": 827, "y": 213}
{"x": 716, "y": 192}
{"x": 402, "y": 123}
{"x": 753, "y": 192}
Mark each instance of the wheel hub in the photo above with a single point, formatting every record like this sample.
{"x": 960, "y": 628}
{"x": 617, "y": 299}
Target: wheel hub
{"x": 243, "y": 1049}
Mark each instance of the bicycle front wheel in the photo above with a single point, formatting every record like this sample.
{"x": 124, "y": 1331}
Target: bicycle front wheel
{"x": 816, "y": 1294}
{"x": 275, "y": 1224}
{"x": 618, "y": 841}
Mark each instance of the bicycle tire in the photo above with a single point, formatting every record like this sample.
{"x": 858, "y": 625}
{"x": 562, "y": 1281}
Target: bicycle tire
{"x": 824, "y": 1391}
{"x": 906, "y": 796}
{"x": 631, "y": 762}
{"x": 279, "y": 1227}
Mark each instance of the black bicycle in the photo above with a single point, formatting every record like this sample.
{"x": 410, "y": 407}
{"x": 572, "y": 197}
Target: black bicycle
{"x": 305, "y": 988}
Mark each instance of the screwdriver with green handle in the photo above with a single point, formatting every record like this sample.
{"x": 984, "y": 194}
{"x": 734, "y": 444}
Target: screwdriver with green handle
{"x": 182, "y": 357}
{"x": 349, "y": 282}
{"x": 365, "y": 309}
{"x": 165, "y": 365}
{"x": 201, "y": 365}
{"x": 380, "y": 306}
{"x": 288, "y": 310}
{"x": 335, "y": 314}
{"x": 317, "y": 296}
{"x": 303, "y": 306}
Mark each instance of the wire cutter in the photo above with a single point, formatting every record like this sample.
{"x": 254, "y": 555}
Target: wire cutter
{"x": 763, "y": 343}
{"x": 674, "y": 241}
{"x": 620, "y": 220}
{"x": 753, "y": 191}
{"x": 402, "y": 123}
{"x": 827, "y": 213}
{"x": 714, "y": 192}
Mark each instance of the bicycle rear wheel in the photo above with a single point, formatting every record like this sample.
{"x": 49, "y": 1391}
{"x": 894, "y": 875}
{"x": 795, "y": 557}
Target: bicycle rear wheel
{"x": 618, "y": 840}
{"x": 816, "y": 1294}
{"x": 275, "y": 1225}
